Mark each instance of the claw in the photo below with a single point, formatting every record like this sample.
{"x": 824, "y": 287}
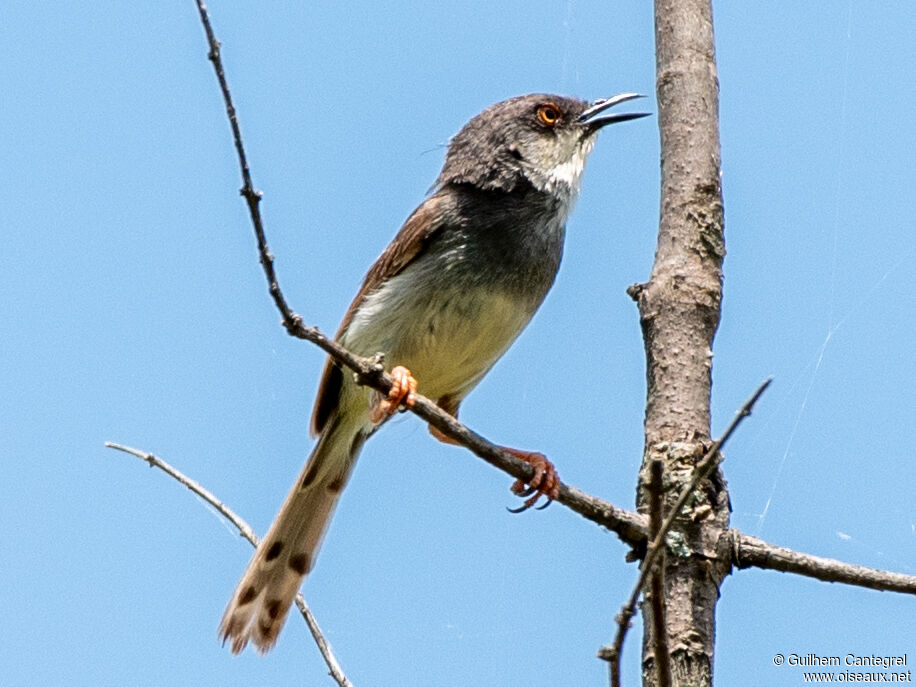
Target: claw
{"x": 520, "y": 489}
{"x": 529, "y": 503}
{"x": 545, "y": 481}
{"x": 403, "y": 392}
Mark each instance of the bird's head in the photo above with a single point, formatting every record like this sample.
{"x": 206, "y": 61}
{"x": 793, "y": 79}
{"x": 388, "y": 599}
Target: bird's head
{"x": 539, "y": 138}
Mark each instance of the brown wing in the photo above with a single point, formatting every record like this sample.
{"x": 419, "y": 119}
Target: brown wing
{"x": 425, "y": 221}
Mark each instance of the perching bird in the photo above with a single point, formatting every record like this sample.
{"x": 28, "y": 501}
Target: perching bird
{"x": 443, "y": 302}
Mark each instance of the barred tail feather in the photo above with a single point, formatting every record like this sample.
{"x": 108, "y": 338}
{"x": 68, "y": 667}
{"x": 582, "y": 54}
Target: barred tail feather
{"x": 266, "y": 592}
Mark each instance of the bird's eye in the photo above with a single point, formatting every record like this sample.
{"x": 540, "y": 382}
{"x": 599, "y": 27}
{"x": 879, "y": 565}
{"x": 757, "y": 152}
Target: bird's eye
{"x": 548, "y": 114}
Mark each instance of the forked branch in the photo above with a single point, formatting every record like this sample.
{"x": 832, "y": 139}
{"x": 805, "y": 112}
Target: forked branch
{"x": 702, "y": 471}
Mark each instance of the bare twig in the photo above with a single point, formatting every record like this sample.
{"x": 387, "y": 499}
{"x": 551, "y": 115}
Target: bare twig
{"x": 660, "y": 652}
{"x": 245, "y": 530}
{"x": 703, "y": 469}
{"x": 748, "y": 551}
{"x": 252, "y": 197}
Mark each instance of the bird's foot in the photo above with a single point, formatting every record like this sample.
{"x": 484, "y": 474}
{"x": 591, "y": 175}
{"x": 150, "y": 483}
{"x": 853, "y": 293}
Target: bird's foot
{"x": 546, "y": 481}
{"x": 402, "y": 392}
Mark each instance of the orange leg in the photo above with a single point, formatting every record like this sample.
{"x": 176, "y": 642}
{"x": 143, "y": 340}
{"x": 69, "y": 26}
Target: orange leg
{"x": 403, "y": 388}
{"x": 450, "y": 406}
{"x": 439, "y": 436}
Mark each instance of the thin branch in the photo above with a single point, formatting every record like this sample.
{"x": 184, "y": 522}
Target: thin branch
{"x": 629, "y": 526}
{"x": 248, "y": 533}
{"x": 703, "y": 469}
{"x": 252, "y": 197}
{"x": 748, "y": 551}
{"x": 662, "y": 656}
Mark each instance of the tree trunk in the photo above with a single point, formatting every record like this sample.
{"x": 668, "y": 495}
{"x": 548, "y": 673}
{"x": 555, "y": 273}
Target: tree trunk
{"x": 679, "y": 311}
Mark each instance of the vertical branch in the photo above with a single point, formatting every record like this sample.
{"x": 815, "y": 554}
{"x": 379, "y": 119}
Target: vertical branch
{"x": 660, "y": 652}
{"x": 679, "y": 312}
{"x": 679, "y": 307}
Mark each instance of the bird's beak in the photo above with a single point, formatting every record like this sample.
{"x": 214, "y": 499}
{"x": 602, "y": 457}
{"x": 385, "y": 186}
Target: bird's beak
{"x": 594, "y": 123}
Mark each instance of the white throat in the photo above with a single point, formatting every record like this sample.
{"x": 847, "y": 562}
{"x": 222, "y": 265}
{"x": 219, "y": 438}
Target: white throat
{"x": 564, "y": 178}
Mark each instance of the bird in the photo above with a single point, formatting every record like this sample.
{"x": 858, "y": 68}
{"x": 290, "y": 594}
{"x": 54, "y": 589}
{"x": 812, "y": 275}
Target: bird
{"x": 442, "y": 303}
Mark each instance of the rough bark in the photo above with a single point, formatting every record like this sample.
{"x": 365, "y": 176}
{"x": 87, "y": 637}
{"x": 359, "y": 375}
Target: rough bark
{"x": 679, "y": 311}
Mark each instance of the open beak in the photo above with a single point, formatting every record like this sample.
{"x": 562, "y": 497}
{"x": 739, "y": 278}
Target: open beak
{"x": 594, "y": 123}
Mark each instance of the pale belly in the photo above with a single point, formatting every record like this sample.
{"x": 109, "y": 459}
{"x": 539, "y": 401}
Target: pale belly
{"x": 447, "y": 341}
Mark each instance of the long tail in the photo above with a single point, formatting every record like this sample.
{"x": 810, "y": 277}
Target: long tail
{"x": 263, "y": 597}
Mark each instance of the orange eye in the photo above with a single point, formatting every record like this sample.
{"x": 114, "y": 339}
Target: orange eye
{"x": 548, "y": 114}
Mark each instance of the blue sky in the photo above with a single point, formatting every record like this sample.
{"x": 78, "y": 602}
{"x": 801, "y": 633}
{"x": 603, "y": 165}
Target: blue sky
{"x": 134, "y": 310}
